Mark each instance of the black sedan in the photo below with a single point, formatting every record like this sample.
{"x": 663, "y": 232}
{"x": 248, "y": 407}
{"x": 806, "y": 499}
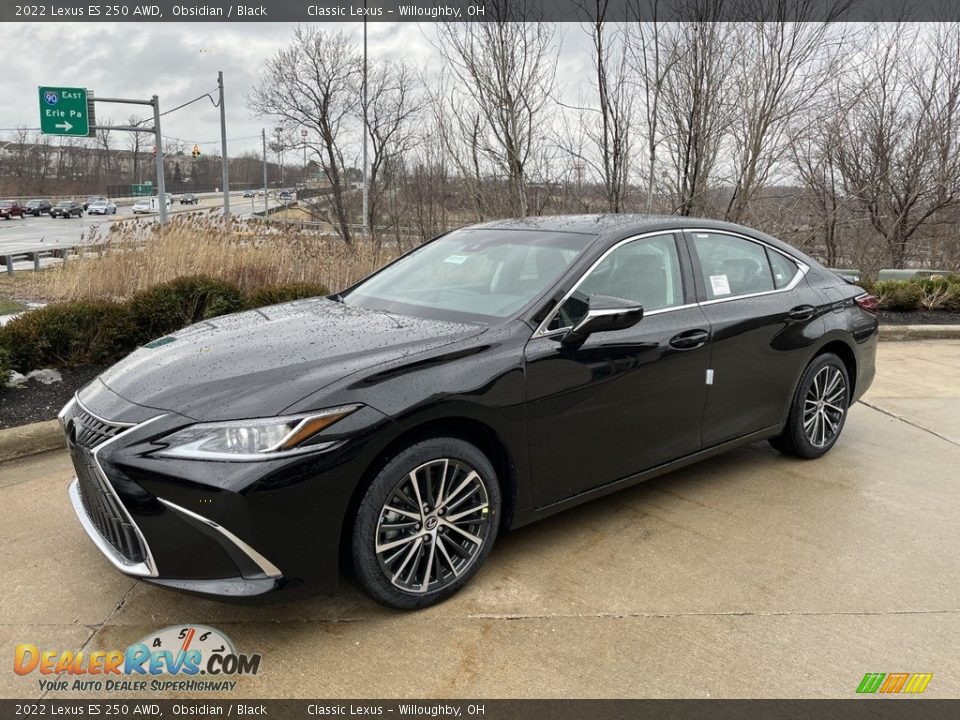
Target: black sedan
{"x": 38, "y": 207}
{"x": 494, "y": 376}
{"x": 66, "y": 209}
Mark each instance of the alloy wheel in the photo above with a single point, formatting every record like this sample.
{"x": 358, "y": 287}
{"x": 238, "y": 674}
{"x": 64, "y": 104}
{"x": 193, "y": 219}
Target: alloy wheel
{"x": 432, "y": 526}
{"x": 824, "y": 406}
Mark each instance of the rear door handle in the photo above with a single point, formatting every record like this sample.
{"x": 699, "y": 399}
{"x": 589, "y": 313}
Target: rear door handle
{"x": 689, "y": 340}
{"x": 802, "y": 312}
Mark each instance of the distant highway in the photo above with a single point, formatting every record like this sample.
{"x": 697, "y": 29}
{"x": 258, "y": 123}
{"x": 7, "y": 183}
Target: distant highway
{"x": 45, "y": 233}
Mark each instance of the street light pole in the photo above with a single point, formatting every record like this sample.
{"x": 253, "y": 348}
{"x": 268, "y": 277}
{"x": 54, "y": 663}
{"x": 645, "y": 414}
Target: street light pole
{"x": 366, "y": 184}
{"x": 161, "y": 184}
{"x": 263, "y": 134}
{"x": 223, "y": 149}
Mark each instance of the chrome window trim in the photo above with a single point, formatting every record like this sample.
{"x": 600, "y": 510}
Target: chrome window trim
{"x": 542, "y": 331}
{"x": 268, "y": 568}
{"x": 147, "y": 568}
{"x": 803, "y": 267}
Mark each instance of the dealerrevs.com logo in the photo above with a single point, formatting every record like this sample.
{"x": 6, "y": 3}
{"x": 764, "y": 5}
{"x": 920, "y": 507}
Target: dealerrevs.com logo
{"x": 172, "y": 659}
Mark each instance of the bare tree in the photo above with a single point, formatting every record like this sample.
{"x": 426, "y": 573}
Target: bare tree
{"x": 899, "y": 142}
{"x": 653, "y": 52}
{"x": 312, "y": 84}
{"x": 505, "y": 72}
{"x": 607, "y": 127}
{"x": 393, "y": 104}
{"x": 781, "y": 66}
{"x": 694, "y": 103}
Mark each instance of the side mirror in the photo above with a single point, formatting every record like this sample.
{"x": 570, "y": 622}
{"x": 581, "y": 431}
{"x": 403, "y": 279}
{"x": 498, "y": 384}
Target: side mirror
{"x": 606, "y": 313}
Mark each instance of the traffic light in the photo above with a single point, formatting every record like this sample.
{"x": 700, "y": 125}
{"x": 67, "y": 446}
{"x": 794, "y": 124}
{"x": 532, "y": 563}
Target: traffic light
{"x": 196, "y": 151}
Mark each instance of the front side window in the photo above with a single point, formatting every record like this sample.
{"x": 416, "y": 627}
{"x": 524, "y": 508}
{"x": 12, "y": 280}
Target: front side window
{"x": 645, "y": 271}
{"x": 732, "y": 266}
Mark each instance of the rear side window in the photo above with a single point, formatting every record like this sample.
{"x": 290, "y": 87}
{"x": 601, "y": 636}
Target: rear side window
{"x": 784, "y": 269}
{"x": 732, "y": 266}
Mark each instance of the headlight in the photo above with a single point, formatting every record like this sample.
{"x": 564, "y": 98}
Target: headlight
{"x": 252, "y": 440}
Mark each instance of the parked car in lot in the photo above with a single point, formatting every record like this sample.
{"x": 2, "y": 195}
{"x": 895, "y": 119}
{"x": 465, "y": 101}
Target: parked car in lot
{"x": 38, "y": 207}
{"x": 489, "y": 378}
{"x": 102, "y": 207}
{"x": 11, "y": 209}
{"x": 66, "y": 209}
{"x": 91, "y": 200}
{"x": 189, "y": 199}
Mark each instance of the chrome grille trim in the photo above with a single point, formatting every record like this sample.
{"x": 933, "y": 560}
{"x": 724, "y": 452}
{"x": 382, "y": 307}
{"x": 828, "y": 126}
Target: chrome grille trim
{"x": 97, "y": 504}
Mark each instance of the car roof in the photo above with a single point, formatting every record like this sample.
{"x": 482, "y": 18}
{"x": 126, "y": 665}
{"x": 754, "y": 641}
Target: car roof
{"x": 612, "y": 227}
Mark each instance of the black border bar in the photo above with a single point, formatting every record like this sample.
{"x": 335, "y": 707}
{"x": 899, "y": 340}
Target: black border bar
{"x": 319, "y": 11}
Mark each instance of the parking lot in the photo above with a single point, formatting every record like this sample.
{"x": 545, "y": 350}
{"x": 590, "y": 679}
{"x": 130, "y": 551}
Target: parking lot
{"x": 749, "y": 575}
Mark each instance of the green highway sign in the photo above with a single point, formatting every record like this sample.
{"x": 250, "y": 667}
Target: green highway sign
{"x": 63, "y": 111}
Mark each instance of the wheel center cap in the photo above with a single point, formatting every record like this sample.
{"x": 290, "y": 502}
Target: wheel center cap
{"x": 431, "y": 523}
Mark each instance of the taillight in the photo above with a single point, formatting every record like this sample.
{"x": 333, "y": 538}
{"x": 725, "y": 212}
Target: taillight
{"x": 867, "y": 302}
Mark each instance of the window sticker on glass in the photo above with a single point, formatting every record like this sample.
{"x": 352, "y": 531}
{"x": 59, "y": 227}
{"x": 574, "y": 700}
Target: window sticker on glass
{"x": 720, "y": 285}
{"x": 457, "y": 259}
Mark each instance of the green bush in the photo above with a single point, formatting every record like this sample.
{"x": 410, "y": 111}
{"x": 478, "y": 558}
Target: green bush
{"x": 167, "y": 307}
{"x": 897, "y": 295}
{"x": 5, "y": 366}
{"x": 98, "y": 332}
{"x": 273, "y": 294}
{"x": 81, "y": 332}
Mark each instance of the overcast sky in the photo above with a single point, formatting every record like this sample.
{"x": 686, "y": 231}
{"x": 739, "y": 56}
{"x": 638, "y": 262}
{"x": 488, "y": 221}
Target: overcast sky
{"x": 180, "y": 61}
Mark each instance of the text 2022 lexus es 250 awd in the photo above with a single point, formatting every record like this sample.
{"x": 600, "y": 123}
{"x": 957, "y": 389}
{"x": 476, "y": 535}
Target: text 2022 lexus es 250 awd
{"x": 489, "y": 378}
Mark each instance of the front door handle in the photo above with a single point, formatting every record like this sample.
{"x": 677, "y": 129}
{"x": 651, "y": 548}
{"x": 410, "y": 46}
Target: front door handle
{"x": 689, "y": 340}
{"x": 802, "y": 312}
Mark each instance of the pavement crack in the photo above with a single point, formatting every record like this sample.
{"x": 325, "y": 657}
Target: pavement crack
{"x": 94, "y": 629}
{"x": 909, "y": 422}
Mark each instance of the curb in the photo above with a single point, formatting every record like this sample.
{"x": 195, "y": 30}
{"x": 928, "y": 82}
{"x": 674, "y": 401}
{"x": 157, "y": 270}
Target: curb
{"x": 18, "y": 442}
{"x": 920, "y": 332}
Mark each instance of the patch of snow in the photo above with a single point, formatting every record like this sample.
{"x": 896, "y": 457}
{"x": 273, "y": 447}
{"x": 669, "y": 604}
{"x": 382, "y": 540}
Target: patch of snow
{"x": 46, "y": 376}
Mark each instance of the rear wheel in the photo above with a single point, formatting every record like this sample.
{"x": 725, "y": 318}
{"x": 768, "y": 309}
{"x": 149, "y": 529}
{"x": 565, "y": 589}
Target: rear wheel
{"x": 426, "y": 523}
{"x": 819, "y": 409}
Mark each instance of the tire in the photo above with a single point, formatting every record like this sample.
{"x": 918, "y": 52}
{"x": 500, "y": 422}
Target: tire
{"x": 405, "y": 553}
{"x": 818, "y": 411}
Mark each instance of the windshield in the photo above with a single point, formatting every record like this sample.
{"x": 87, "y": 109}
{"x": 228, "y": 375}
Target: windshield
{"x": 472, "y": 275}
{"x": 65, "y": 203}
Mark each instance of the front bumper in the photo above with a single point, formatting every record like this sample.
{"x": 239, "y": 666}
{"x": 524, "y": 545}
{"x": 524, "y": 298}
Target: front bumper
{"x": 224, "y": 529}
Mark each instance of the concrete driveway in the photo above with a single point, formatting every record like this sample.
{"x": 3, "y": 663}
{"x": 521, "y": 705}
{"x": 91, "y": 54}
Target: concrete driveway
{"x": 749, "y": 575}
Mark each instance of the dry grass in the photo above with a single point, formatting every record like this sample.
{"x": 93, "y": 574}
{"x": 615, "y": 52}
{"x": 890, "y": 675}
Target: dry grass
{"x": 134, "y": 256}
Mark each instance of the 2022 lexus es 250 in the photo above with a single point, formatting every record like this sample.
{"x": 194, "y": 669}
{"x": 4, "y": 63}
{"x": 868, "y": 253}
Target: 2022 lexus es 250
{"x": 489, "y": 378}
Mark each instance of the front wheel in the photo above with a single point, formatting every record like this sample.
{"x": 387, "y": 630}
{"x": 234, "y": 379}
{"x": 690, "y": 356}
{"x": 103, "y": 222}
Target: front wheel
{"x": 819, "y": 409}
{"x": 426, "y": 523}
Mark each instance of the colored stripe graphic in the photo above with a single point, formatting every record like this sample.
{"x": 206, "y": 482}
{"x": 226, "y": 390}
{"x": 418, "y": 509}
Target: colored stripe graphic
{"x": 871, "y": 682}
{"x": 892, "y": 683}
{"x": 918, "y": 682}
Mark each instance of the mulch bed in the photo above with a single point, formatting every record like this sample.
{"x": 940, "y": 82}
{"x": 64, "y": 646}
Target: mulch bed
{"x": 35, "y": 401}
{"x": 919, "y": 317}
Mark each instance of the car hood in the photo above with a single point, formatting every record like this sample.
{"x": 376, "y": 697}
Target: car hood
{"x": 260, "y": 362}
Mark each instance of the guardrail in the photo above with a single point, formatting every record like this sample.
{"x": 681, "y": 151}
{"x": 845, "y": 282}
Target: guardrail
{"x": 35, "y": 255}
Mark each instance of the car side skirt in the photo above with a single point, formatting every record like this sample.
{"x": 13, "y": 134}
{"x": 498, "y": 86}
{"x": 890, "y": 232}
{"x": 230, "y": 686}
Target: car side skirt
{"x": 631, "y": 480}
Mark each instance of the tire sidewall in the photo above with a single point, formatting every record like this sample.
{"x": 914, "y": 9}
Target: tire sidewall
{"x": 366, "y": 566}
{"x": 804, "y": 448}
